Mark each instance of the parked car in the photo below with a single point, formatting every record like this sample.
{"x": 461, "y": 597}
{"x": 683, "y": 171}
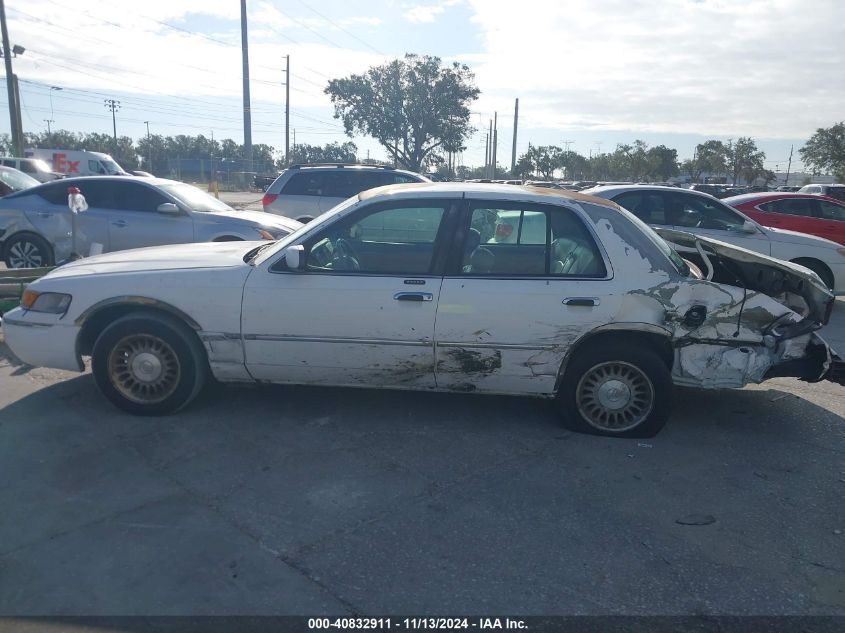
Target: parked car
{"x": 33, "y": 167}
{"x": 71, "y": 162}
{"x": 833, "y": 191}
{"x": 305, "y": 191}
{"x": 822, "y": 216}
{"x": 386, "y": 290}
{"x": 124, "y": 212}
{"x": 788, "y": 188}
{"x": 141, "y": 173}
{"x": 704, "y": 215}
{"x": 717, "y": 190}
{"x": 12, "y": 181}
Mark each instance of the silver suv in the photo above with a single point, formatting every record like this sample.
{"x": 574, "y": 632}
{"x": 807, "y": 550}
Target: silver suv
{"x": 303, "y": 192}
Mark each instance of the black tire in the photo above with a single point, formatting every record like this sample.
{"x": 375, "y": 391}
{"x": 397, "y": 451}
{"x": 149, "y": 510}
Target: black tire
{"x": 630, "y": 374}
{"x": 27, "y": 250}
{"x": 819, "y": 268}
{"x": 170, "y": 347}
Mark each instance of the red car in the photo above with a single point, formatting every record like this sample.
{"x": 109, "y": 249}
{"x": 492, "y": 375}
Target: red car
{"x": 822, "y": 216}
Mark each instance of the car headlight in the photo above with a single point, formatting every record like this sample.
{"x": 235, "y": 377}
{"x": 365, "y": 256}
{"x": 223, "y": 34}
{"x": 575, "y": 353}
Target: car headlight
{"x": 265, "y": 235}
{"x": 50, "y": 302}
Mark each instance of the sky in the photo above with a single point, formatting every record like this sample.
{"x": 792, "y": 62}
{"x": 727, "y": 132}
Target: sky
{"x": 588, "y": 73}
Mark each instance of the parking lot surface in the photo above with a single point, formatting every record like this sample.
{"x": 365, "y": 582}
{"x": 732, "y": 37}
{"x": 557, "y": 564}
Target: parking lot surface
{"x": 287, "y": 500}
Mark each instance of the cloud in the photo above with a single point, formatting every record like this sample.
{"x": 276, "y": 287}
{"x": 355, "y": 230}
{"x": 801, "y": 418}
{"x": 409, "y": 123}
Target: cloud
{"x": 754, "y": 67}
{"x": 424, "y": 13}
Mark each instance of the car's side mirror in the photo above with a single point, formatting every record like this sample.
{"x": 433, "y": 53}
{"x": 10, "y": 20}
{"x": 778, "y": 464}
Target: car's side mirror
{"x": 749, "y": 227}
{"x": 168, "y": 208}
{"x": 295, "y": 257}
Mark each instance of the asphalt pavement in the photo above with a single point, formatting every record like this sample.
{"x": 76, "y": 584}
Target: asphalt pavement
{"x": 289, "y": 500}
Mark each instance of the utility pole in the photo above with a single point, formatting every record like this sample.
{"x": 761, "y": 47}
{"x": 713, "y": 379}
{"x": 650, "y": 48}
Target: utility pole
{"x": 486, "y": 154}
{"x": 495, "y": 143}
{"x": 489, "y": 150}
{"x": 789, "y": 166}
{"x": 515, "y": 126}
{"x": 113, "y": 105}
{"x": 566, "y": 145}
{"x": 287, "y": 108}
{"x": 48, "y": 122}
{"x": 247, "y": 112}
{"x": 149, "y": 148}
{"x": 17, "y": 142}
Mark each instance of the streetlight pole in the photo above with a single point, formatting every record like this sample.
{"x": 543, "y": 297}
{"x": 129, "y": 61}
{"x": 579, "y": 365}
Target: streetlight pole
{"x": 48, "y": 122}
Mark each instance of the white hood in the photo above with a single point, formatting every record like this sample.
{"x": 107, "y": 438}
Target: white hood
{"x": 794, "y": 237}
{"x": 171, "y": 257}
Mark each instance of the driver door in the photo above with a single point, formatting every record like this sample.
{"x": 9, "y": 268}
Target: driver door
{"x": 362, "y": 312}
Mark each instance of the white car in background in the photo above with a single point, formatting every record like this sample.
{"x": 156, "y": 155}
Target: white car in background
{"x": 702, "y": 214}
{"x": 398, "y": 287}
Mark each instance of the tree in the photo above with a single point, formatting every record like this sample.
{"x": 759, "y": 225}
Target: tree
{"x": 412, "y": 106}
{"x": 662, "y": 162}
{"x": 746, "y": 160}
{"x": 825, "y": 151}
{"x": 711, "y": 157}
{"x": 329, "y": 153}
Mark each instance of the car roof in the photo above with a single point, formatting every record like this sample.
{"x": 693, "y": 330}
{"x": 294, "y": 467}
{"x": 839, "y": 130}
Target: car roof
{"x": 625, "y": 188}
{"x": 778, "y": 195}
{"x": 479, "y": 189}
{"x": 83, "y": 179}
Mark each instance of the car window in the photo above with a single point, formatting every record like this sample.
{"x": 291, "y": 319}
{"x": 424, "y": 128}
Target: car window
{"x": 98, "y": 193}
{"x": 129, "y": 196}
{"x": 193, "y": 198}
{"x": 95, "y": 167}
{"x": 395, "y": 240}
{"x": 345, "y": 183}
{"x": 790, "y": 206}
{"x": 9, "y": 163}
{"x": 27, "y": 167}
{"x": 16, "y": 180}
{"x": 646, "y": 205}
{"x": 54, "y": 193}
{"x": 529, "y": 240}
{"x": 835, "y": 192}
{"x": 699, "y": 212}
{"x": 831, "y": 211}
{"x": 304, "y": 183}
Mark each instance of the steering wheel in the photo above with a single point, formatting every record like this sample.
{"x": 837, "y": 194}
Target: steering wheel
{"x": 344, "y": 257}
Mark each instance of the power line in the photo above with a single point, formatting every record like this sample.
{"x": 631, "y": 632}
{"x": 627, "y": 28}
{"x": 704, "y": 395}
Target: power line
{"x": 350, "y": 34}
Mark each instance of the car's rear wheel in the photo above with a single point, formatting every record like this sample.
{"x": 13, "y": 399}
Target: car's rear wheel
{"x": 617, "y": 390}
{"x": 27, "y": 251}
{"x": 149, "y": 364}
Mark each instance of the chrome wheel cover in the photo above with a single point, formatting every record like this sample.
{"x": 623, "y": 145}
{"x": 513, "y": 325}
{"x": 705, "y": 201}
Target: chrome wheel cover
{"x": 614, "y": 396}
{"x": 144, "y": 368}
{"x": 25, "y": 254}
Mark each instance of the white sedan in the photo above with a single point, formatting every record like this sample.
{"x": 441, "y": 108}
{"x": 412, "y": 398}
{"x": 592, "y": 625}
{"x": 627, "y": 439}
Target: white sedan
{"x": 405, "y": 287}
{"x": 702, "y": 214}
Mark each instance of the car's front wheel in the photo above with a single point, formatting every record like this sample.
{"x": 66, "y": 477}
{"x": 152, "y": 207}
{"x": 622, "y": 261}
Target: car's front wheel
{"x": 149, "y": 364}
{"x": 27, "y": 251}
{"x": 618, "y": 390}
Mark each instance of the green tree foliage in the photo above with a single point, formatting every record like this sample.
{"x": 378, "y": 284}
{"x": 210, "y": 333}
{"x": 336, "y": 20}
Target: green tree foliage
{"x": 329, "y": 153}
{"x": 745, "y": 160}
{"x": 825, "y": 151}
{"x": 413, "y": 107}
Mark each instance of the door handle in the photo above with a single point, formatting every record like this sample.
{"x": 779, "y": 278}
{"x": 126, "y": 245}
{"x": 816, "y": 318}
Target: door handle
{"x": 589, "y": 302}
{"x": 120, "y": 223}
{"x": 413, "y": 296}
{"x": 44, "y": 214}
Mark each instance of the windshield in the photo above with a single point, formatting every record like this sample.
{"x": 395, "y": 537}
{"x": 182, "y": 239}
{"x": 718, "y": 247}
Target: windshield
{"x": 111, "y": 167}
{"x": 314, "y": 224}
{"x": 194, "y": 198}
{"x": 40, "y": 165}
{"x": 17, "y": 180}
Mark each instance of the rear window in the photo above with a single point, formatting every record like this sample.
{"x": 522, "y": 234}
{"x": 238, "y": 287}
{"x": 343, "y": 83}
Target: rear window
{"x": 790, "y": 206}
{"x": 304, "y": 183}
{"x": 836, "y": 192}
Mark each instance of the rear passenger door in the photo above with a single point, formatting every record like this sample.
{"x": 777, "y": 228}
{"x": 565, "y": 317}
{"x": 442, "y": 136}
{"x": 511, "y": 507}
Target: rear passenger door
{"x": 648, "y": 206}
{"x": 793, "y": 213}
{"x": 832, "y": 220}
{"x": 514, "y": 299}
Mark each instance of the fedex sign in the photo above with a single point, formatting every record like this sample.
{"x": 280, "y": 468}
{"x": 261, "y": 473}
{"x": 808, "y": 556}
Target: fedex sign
{"x": 63, "y": 165}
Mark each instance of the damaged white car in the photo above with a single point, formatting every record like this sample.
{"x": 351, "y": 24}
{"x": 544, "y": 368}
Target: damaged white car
{"x": 442, "y": 286}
